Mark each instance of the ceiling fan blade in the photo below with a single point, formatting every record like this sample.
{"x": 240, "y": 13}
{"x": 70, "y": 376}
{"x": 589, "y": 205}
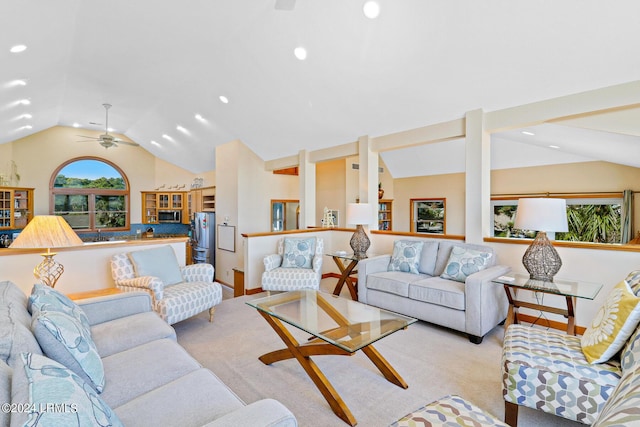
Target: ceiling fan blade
{"x": 89, "y": 137}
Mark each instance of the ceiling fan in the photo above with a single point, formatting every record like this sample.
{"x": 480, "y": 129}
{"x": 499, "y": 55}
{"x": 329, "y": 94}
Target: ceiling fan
{"x": 105, "y": 139}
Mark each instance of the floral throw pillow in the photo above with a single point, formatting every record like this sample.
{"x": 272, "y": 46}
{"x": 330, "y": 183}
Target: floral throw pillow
{"x": 41, "y": 384}
{"x": 406, "y": 256}
{"x": 612, "y": 325}
{"x": 463, "y": 262}
{"x": 45, "y": 298}
{"x": 298, "y": 252}
{"x": 63, "y": 339}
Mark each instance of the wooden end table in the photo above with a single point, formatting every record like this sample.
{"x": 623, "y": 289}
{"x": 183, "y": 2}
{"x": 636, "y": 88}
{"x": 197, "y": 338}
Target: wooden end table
{"x": 346, "y": 271}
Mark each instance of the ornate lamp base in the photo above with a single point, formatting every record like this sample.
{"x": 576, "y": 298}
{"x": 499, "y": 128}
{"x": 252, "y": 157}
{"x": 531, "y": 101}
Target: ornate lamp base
{"x": 360, "y": 242}
{"x": 48, "y": 271}
{"x": 541, "y": 259}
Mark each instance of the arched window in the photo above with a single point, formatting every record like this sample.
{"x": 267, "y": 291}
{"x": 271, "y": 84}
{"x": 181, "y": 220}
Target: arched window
{"x": 91, "y": 194}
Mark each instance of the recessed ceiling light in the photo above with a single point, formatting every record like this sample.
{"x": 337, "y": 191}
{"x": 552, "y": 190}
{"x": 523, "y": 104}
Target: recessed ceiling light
{"x": 76, "y": 125}
{"x": 165, "y": 136}
{"x": 224, "y": 99}
{"x": 24, "y": 102}
{"x": 371, "y": 9}
{"x": 526, "y": 132}
{"x": 18, "y": 83}
{"x": 156, "y": 143}
{"x": 181, "y": 129}
{"x": 18, "y": 48}
{"x": 300, "y": 53}
{"x": 25, "y": 127}
{"x": 199, "y": 117}
{"x": 25, "y": 116}
{"x": 554, "y": 146}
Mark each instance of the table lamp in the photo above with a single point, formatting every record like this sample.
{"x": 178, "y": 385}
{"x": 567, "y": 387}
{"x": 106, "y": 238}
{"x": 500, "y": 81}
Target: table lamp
{"x": 47, "y": 231}
{"x": 542, "y": 215}
{"x": 359, "y": 214}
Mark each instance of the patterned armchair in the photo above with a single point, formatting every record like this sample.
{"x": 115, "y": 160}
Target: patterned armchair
{"x": 281, "y": 273}
{"x": 195, "y": 293}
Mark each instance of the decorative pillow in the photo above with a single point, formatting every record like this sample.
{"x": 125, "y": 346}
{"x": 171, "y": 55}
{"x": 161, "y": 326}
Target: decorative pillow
{"x": 406, "y": 256}
{"x": 56, "y": 396}
{"x": 158, "y": 262}
{"x": 298, "y": 252}
{"x": 45, "y": 298}
{"x": 613, "y": 324}
{"x": 463, "y": 262}
{"x": 633, "y": 279}
{"x": 65, "y": 340}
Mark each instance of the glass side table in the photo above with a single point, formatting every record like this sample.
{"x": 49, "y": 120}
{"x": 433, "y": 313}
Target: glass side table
{"x": 570, "y": 289}
{"x": 346, "y": 271}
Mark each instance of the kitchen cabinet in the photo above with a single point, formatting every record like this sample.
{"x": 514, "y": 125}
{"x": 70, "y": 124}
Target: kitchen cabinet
{"x": 154, "y": 203}
{"x": 385, "y": 214}
{"x": 202, "y": 200}
{"x": 16, "y": 207}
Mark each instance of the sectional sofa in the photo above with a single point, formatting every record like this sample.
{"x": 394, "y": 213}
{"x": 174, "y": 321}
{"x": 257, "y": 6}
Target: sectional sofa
{"x": 124, "y": 367}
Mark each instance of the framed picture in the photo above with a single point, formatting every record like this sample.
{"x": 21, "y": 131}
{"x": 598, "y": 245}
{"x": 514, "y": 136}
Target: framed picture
{"x": 428, "y": 216}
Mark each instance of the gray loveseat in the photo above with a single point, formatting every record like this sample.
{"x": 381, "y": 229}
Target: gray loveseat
{"x": 149, "y": 379}
{"x": 473, "y": 306}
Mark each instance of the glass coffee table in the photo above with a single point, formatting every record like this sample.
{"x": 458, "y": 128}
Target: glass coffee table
{"x": 338, "y": 326}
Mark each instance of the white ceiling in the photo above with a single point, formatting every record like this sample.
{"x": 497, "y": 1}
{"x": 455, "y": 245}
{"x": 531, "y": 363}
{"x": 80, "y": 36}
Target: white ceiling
{"x": 160, "y": 62}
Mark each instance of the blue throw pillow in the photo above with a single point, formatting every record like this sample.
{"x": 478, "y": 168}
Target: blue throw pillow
{"x": 64, "y": 339}
{"x": 158, "y": 262}
{"x": 298, "y": 252}
{"x": 45, "y": 298}
{"x": 56, "y": 396}
{"x": 406, "y": 256}
{"x": 464, "y": 262}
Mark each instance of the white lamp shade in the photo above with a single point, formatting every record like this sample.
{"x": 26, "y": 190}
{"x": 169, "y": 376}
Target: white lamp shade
{"x": 359, "y": 213}
{"x": 542, "y": 214}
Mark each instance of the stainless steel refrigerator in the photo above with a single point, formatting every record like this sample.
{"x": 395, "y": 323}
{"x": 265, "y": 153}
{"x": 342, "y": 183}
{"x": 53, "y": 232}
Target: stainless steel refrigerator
{"x": 204, "y": 238}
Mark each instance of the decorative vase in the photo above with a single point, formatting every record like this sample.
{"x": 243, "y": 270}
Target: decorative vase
{"x": 380, "y": 193}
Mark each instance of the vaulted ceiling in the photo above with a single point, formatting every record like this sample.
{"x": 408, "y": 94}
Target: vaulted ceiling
{"x": 160, "y": 63}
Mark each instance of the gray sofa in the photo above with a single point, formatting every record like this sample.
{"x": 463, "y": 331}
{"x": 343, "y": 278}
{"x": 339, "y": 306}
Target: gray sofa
{"x": 473, "y": 306}
{"x": 149, "y": 379}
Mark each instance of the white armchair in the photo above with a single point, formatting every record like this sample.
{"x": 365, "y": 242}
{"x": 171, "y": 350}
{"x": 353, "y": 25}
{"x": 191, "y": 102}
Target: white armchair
{"x": 277, "y": 277}
{"x": 177, "y": 292}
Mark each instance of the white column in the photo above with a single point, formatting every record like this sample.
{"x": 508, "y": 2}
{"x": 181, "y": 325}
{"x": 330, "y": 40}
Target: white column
{"x": 307, "y": 175}
{"x": 477, "y": 178}
{"x": 368, "y": 177}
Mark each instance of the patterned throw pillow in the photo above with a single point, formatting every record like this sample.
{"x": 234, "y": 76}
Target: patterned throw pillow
{"x": 464, "y": 262}
{"x": 633, "y": 279}
{"x": 56, "y": 396}
{"x": 45, "y": 298}
{"x": 613, "y": 324}
{"x": 406, "y": 256}
{"x": 298, "y": 252}
{"x": 64, "y": 339}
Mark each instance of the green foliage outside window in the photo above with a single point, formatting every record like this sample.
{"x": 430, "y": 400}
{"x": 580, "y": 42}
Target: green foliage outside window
{"x": 597, "y": 223}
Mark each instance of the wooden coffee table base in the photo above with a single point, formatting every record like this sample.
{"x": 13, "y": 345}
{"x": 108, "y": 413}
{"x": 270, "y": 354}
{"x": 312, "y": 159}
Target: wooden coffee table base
{"x": 316, "y": 347}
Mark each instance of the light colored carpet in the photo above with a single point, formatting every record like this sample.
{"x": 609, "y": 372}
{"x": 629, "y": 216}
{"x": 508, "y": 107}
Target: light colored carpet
{"x": 434, "y": 362}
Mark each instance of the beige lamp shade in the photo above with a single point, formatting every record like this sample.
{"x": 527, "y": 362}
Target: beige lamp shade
{"x": 359, "y": 213}
{"x": 47, "y": 231}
